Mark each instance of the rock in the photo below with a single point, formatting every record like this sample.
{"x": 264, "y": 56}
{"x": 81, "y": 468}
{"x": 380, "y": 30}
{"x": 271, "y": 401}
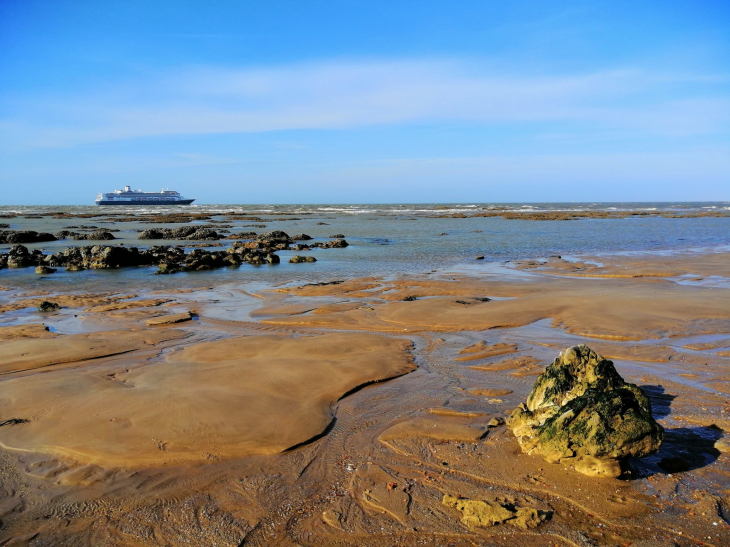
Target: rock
{"x": 296, "y": 259}
{"x": 480, "y": 257}
{"x": 165, "y": 268}
{"x": 480, "y": 514}
{"x": 48, "y": 306}
{"x": 338, "y": 236}
{"x": 302, "y": 237}
{"x": 24, "y": 236}
{"x": 19, "y": 257}
{"x": 44, "y": 270}
{"x": 96, "y": 235}
{"x": 277, "y": 237}
{"x": 495, "y": 422}
{"x": 334, "y": 244}
{"x": 582, "y": 413}
{"x": 192, "y": 233}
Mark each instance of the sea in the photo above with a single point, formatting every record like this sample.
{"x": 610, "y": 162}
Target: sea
{"x": 384, "y": 240}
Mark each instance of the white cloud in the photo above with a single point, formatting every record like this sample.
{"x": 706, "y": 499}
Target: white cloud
{"x": 344, "y": 94}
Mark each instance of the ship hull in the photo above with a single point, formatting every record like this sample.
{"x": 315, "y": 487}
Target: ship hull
{"x": 148, "y": 203}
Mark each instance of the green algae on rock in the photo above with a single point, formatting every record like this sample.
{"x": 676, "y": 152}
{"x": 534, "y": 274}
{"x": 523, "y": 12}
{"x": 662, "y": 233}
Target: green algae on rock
{"x": 582, "y": 413}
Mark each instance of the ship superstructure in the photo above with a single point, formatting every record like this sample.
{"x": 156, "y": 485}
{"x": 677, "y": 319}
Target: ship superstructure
{"x": 138, "y": 197}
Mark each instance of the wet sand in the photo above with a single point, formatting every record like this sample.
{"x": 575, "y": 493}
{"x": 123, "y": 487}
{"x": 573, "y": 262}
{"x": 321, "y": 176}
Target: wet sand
{"x": 343, "y": 413}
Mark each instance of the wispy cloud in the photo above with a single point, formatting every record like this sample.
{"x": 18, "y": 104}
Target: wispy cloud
{"x": 346, "y": 94}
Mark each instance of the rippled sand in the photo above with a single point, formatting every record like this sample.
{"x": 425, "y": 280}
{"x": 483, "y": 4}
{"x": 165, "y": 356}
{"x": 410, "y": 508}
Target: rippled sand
{"x": 341, "y": 414}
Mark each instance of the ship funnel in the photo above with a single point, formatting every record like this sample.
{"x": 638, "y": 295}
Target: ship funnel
{"x": 126, "y": 189}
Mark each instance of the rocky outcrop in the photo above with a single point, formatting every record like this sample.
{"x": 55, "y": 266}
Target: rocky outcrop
{"x": 24, "y": 236}
{"x": 192, "y": 233}
{"x": 296, "y": 259}
{"x": 96, "y": 235}
{"x": 334, "y": 244}
{"x": 169, "y": 259}
{"x": 277, "y": 240}
{"x": 582, "y": 413}
{"x": 19, "y": 257}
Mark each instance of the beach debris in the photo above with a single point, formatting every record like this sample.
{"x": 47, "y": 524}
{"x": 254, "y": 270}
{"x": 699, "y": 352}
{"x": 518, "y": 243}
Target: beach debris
{"x": 482, "y": 513}
{"x": 48, "y": 306}
{"x": 582, "y": 413}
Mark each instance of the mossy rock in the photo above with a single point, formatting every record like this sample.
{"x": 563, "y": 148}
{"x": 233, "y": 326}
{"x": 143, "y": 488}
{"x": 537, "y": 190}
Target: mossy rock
{"x": 581, "y": 412}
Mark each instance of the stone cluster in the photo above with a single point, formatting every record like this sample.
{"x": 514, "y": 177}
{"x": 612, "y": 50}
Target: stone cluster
{"x": 169, "y": 259}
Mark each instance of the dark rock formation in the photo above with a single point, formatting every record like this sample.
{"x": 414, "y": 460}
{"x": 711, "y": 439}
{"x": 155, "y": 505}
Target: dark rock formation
{"x": 96, "y": 235}
{"x": 192, "y": 233}
{"x": 582, "y": 413}
{"x": 19, "y": 257}
{"x": 277, "y": 239}
{"x": 44, "y": 270}
{"x": 168, "y": 259}
{"x": 334, "y": 244}
{"x": 48, "y": 306}
{"x": 302, "y": 237}
{"x": 243, "y": 235}
{"x": 24, "y": 236}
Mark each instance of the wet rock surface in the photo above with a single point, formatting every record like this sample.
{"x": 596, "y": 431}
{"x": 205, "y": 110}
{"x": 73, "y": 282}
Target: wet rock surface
{"x": 24, "y": 236}
{"x": 169, "y": 259}
{"x": 192, "y": 233}
{"x": 296, "y": 259}
{"x": 582, "y": 413}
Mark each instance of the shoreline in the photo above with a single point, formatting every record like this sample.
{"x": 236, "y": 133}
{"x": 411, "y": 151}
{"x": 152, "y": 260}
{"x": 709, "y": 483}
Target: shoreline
{"x": 401, "y": 430}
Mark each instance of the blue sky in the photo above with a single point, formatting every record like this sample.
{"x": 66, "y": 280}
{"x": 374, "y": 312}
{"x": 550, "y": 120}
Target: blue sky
{"x": 366, "y": 102}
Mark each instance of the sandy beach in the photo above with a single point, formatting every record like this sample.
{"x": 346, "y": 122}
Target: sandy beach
{"x": 351, "y": 411}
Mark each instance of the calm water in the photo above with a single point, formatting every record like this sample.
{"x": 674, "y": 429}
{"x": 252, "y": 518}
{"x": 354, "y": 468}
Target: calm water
{"x": 384, "y": 239}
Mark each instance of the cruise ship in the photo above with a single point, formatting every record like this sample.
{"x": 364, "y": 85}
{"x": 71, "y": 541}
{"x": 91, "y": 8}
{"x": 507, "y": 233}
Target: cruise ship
{"x": 138, "y": 197}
